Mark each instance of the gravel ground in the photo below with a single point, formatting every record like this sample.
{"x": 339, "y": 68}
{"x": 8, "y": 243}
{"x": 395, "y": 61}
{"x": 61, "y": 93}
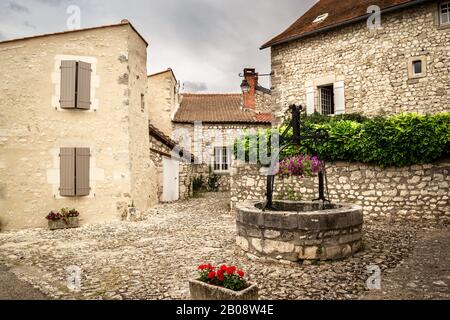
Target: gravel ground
{"x": 154, "y": 258}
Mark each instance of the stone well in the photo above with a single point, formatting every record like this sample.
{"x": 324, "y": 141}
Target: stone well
{"x": 296, "y": 231}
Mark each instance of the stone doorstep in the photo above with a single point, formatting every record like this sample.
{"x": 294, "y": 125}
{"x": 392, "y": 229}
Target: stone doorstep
{"x": 204, "y": 291}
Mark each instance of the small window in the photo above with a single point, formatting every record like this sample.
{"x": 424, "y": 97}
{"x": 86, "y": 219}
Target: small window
{"x": 444, "y": 13}
{"x": 326, "y": 100}
{"x": 221, "y": 159}
{"x": 417, "y": 67}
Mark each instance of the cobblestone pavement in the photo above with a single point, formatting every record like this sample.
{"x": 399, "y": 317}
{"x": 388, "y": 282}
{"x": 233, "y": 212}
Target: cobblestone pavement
{"x": 154, "y": 258}
{"x": 424, "y": 275}
{"x": 11, "y": 288}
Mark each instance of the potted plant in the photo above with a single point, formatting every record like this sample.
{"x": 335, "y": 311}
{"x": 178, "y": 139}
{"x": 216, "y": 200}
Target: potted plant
{"x": 65, "y": 219}
{"x": 222, "y": 283}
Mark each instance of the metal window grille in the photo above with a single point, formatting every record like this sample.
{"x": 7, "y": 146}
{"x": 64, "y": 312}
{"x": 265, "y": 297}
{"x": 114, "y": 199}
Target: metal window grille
{"x": 326, "y": 100}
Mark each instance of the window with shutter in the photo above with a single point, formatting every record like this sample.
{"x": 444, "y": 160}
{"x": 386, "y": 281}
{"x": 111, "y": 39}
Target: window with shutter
{"x": 310, "y": 108}
{"x": 67, "y": 172}
{"x": 74, "y": 172}
{"x": 339, "y": 97}
{"x": 82, "y": 168}
{"x": 75, "y": 85}
{"x": 83, "y": 93}
{"x": 68, "y": 84}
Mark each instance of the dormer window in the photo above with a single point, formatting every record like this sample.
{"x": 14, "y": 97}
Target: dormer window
{"x": 321, "y": 18}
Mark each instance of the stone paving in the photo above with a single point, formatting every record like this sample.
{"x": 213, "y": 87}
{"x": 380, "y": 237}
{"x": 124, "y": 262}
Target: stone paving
{"x": 154, "y": 258}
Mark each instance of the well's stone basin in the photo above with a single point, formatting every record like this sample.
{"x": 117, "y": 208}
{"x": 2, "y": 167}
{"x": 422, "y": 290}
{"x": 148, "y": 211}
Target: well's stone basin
{"x": 296, "y": 231}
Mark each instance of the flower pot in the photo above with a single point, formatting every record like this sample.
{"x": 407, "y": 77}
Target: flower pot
{"x": 204, "y": 291}
{"x": 64, "y": 224}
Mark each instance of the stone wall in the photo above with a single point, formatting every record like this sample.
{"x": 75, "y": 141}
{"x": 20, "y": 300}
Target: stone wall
{"x": 162, "y": 100}
{"x": 373, "y": 64}
{"x": 415, "y": 192}
{"x": 142, "y": 178}
{"x": 33, "y": 128}
{"x": 263, "y": 101}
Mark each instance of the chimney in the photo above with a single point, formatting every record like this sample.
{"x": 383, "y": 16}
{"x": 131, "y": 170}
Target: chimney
{"x": 250, "y": 97}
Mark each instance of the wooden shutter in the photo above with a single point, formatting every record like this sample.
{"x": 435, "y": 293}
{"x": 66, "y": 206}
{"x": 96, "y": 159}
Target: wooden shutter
{"x": 84, "y": 86}
{"x": 83, "y": 156}
{"x": 67, "y": 172}
{"x": 68, "y": 84}
{"x": 339, "y": 97}
{"x": 310, "y": 99}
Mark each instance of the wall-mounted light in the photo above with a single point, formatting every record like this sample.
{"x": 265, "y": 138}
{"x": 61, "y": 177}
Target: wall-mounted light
{"x": 245, "y": 86}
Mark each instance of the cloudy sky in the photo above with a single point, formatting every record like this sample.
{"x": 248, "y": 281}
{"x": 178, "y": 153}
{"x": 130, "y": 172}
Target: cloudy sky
{"x": 206, "y": 42}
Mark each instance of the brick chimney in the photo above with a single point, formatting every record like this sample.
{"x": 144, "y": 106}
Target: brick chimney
{"x": 252, "y": 79}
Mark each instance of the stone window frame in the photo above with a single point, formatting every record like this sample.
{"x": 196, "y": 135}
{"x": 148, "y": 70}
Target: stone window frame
{"x": 411, "y": 60}
{"x": 438, "y": 20}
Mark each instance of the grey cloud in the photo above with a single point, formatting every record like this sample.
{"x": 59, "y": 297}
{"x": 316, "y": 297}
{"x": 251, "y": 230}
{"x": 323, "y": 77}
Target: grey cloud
{"x": 206, "y": 42}
{"x": 16, "y": 7}
{"x": 29, "y": 25}
{"x": 190, "y": 86}
{"x": 2, "y": 37}
{"x": 54, "y": 3}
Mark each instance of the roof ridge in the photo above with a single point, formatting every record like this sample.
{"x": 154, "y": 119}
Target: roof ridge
{"x": 123, "y": 23}
{"x": 211, "y": 94}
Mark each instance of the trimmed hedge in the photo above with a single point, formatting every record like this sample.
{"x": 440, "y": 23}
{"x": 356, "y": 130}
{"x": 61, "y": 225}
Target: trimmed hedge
{"x": 399, "y": 140}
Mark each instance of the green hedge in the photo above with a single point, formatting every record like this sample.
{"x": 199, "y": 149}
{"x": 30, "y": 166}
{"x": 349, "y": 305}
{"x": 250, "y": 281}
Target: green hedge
{"x": 399, "y": 140}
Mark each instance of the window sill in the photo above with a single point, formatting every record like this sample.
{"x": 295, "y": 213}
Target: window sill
{"x": 222, "y": 173}
{"x": 443, "y": 26}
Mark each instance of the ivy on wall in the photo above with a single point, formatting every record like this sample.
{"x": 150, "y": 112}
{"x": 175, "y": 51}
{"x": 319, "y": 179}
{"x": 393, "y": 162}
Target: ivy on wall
{"x": 400, "y": 140}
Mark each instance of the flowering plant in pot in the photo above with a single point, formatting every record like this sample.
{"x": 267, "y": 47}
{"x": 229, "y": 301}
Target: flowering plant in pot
{"x": 300, "y": 165}
{"x": 63, "y": 219}
{"x": 222, "y": 283}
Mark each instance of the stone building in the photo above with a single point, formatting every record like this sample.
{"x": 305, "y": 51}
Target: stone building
{"x": 74, "y": 126}
{"x": 337, "y": 58}
{"x": 163, "y": 99}
{"x": 208, "y": 124}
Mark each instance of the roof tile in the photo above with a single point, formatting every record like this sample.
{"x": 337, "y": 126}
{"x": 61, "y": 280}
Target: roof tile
{"x": 216, "y": 108}
{"x": 339, "y": 12}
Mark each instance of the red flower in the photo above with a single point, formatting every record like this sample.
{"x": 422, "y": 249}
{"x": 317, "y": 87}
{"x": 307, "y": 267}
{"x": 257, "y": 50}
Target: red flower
{"x": 202, "y": 267}
{"x": 220, "y": 275}
{"x": 223, "y": 268}
{"x": 241, "y": 273}
{"x": 211, "y": 275}
{"x": 231, "y": 270}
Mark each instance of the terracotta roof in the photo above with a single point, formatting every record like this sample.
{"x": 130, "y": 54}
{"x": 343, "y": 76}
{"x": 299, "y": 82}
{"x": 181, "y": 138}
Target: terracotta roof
{"x": 160, "y": 136}
{"x": 340, "y": 12}
{"x": 216, "y": 108}
{"x": 124, "y": 22}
